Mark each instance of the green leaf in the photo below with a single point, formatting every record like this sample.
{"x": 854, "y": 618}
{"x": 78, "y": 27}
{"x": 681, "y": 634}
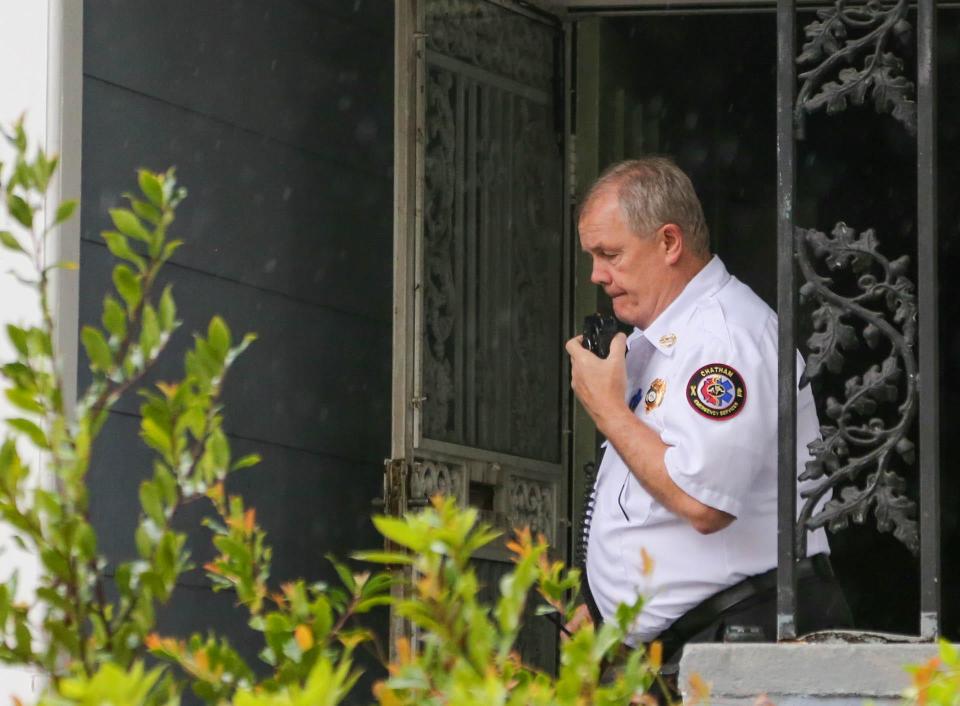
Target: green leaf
{"x": 378, "y": 557}
{"x": 86, "y": 541}
{"x": 20, "y": 210}
{"x": 8, "y": 241}
{"x": 38, "y": 341}
{"x": 48, "y": 503}
{"x": 230, "y": 547}
{"x": 120, "y": 247}
{"x": 36, "y": 434}
{"x": 949, "y": 653}
{"x": 167, "y": 485}
{"x": 143, "y": 541}
{"x": 50, "y": 596}
{"x": 149, "y": 330}
{"x": 19, "y": 139}
{"x": 218, "y": 335}
{"x": 246, "y": 462}
{"x": 170, "y": 248}
{"x": 24, "y": 400}
{"x": 65, "y": 210}
{"x": 114, "y": 318}
{"x": 126, "y": 222}
{"x": 127, "y": 285}
{"x": 23, "y": 175}
{"x": 368, "y": 604}
{"x": 344, "y": 572}
{"x": 377, "y": 585}
{"x": 150, "y": 501}
{"x": 98, "y": 351}
{"x": 56, "y": 564}
{"x": 218, "y": 449}
{"x": 43, "y": 169}
{"x": 151, "y": 187}
{"x": 155, "y": 436}
{"x": 18, "y": 337}
{"x": 397, "y": 530}
{"x": 145, "y": 210}
{"x": 168, "y": 309}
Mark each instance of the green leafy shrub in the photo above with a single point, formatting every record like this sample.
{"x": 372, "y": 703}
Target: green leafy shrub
{"x": 936, "y": 682}
{"x": 467, "y": 653}
{"x": 92, "y": 636}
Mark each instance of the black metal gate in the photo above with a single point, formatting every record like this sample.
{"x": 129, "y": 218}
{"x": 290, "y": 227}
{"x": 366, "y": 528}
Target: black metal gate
{"x": 863, "y": 296}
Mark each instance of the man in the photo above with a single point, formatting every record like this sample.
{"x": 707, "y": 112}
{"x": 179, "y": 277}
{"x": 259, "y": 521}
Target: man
{"x": 688, "y": 406}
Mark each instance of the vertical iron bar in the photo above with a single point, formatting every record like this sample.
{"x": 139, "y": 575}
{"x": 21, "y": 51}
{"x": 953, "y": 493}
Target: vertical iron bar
{"x": 786, "y": 298}
{"x": 928, "y": 329}
{"x": 462, "y": 344}
{"x": 567, "y": 325}
{"x": 475, "y": 322}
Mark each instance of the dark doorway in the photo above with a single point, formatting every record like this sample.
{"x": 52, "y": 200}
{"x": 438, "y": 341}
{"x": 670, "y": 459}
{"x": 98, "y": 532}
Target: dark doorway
{"x": 702, "y": 88}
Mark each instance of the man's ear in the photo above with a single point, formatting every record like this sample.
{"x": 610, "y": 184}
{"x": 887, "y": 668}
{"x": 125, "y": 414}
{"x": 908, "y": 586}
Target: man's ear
{"x": 672, "y": 239}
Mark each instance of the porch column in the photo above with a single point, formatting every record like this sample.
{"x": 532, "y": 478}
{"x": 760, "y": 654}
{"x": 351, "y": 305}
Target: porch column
{"x": 41, "y": 48}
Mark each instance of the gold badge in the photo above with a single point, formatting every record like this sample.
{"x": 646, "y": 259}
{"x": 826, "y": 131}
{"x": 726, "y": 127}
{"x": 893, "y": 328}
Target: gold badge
{"x": 668, "y": 339}
{"x": 654, "y": 395}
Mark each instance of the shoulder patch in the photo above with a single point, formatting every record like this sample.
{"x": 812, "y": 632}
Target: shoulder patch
{"x": 717, "y": 391}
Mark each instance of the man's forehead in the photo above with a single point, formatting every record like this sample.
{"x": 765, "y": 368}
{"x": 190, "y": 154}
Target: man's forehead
{"x": 599, "y": 217}
{"x": 603, "y": 202}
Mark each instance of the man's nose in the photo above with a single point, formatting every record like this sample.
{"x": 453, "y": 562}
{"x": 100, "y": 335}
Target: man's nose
{"x": 599, "y": 274}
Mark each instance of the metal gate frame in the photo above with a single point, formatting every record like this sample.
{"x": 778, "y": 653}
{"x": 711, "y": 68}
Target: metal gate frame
{"x": 928, "y": 369}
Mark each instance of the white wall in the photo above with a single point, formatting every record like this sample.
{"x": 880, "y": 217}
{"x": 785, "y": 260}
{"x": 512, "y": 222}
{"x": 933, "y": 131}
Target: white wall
{"x": 41, "y": 77}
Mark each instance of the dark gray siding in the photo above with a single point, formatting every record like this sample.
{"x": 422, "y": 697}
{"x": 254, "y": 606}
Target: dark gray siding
{"x": 278, "y": 116}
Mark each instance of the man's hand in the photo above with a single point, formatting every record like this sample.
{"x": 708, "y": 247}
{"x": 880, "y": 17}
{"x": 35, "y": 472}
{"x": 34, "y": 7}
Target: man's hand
{"x": 581, "y": 617}
{"x": 600, "y": 383}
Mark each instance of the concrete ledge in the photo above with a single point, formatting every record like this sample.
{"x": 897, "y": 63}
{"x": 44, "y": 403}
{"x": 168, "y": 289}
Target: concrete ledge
{"x": 795, "y": 673}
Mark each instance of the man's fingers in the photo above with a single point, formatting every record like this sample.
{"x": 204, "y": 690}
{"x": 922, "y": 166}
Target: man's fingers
{"x": 618, "y": 346}
{"x": 581, "y": 617}
{"x": 574, "y": 344}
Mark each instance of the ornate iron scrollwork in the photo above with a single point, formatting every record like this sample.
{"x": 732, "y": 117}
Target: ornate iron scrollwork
{"x": 532, "y": 505}
{"x": 836, "y": 41}
{"x": 869, "y": 426}
{"x": 440, "y": 296}
{"x": 429, "y": 478}
{"x": 492, "y": 38}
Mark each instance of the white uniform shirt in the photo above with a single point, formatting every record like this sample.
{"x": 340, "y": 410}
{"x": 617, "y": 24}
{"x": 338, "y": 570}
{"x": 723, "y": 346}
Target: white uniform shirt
{"x": 707, "y": 376}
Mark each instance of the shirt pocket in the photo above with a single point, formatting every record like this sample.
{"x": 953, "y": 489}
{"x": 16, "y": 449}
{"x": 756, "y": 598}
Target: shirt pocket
{"x": 653, "y": 417}
{"x": 633, "y": 502}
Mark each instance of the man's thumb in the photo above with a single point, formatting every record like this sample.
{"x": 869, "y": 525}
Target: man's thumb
{"x": 618, "y": 346}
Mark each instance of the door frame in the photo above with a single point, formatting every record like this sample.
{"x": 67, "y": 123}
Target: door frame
{"x": 409, "y": 194}
{"x": 410, "y": 79}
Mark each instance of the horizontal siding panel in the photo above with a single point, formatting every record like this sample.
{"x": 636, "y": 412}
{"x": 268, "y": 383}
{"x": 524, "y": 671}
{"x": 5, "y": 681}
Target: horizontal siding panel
{"x": 296, "y": 494}
{"x": 283, "y": 68}
{"x": 257, "y": 212}
{"x": 316, "y": 379}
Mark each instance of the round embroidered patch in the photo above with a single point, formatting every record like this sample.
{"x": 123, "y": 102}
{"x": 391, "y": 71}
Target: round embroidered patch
{"x": 717, "y": 391}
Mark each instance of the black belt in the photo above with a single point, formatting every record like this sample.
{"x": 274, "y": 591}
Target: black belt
{"x": 706, "y": 612}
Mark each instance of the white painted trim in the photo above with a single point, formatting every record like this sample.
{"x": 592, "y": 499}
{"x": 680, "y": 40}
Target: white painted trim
{"x": 41, "y": 50}
{"x": 64, "y": 137}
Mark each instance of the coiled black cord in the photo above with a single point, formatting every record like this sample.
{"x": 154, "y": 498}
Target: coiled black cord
{"x": 586, "y": 516}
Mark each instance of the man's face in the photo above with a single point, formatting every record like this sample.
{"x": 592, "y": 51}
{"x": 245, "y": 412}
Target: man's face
{"x": 631, "y": 268}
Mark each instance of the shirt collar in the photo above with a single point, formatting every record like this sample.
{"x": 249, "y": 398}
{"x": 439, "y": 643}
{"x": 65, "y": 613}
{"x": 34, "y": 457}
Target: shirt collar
{"x": 662, "y": 333}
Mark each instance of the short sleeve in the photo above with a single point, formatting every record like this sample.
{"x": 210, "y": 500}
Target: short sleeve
{"x": 721, "y": 426}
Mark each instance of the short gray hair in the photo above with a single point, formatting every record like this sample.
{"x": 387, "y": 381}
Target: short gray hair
{"x": 654, "y": 191}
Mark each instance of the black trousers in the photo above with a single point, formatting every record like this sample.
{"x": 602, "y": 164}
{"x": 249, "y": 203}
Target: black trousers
{"x": 821, "y": 605}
